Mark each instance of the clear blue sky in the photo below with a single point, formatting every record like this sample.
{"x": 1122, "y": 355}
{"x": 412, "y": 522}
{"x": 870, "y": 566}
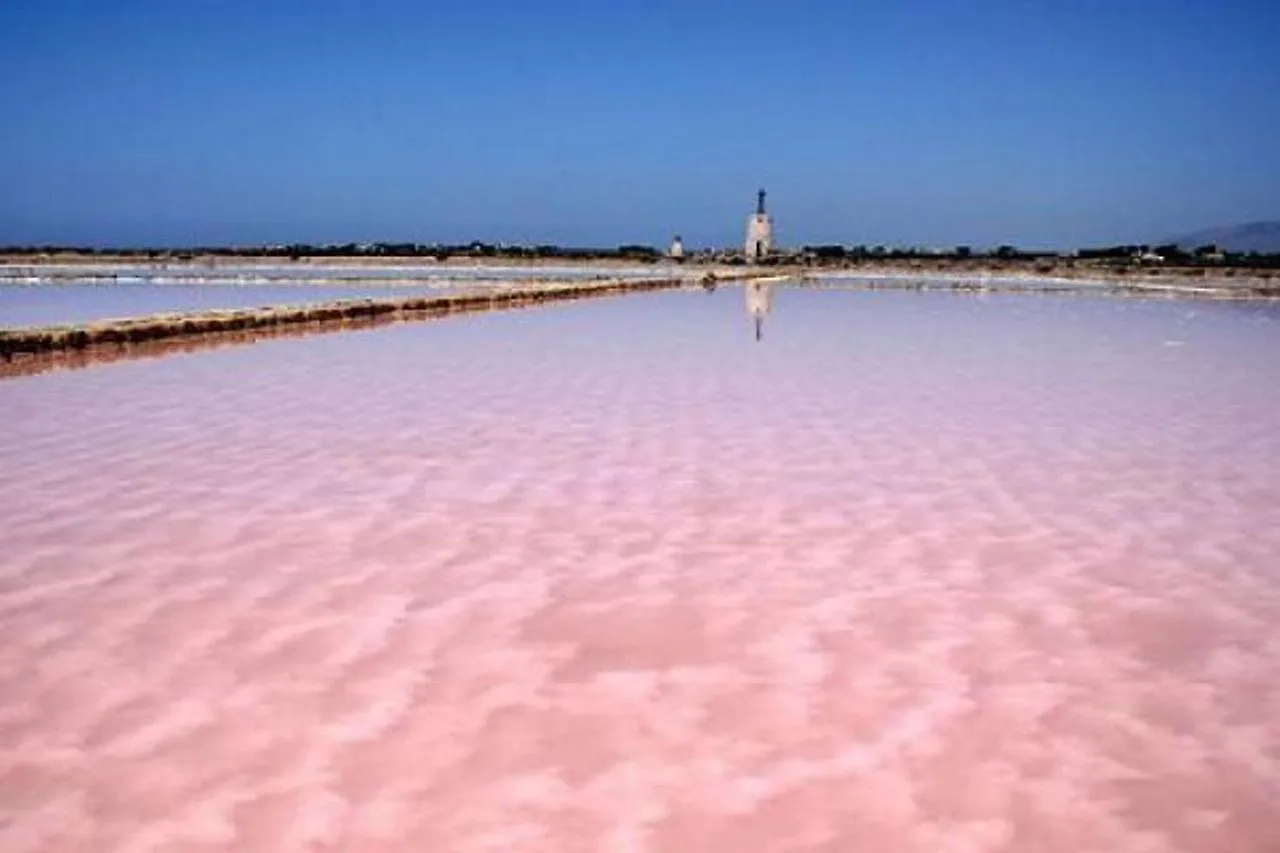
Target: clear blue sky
{"x": 1032, "y": 122}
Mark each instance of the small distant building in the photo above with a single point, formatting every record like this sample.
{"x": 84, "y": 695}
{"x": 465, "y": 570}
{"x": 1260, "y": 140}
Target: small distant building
{"x": 1211, "y": 253}
{"x": 676, "y": 252}
{"x": 759, "y": 232}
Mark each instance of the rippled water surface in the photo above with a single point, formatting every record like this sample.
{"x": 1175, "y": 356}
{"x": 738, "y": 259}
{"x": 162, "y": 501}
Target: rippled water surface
{"x": 914, "y": 572}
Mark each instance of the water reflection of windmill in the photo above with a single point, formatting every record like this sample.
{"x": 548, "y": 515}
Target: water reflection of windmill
{"x": 759, "y": 301}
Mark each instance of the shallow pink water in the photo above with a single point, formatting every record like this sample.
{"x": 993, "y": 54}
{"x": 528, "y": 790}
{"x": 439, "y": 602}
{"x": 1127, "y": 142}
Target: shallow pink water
{"x": 915, "y": 573}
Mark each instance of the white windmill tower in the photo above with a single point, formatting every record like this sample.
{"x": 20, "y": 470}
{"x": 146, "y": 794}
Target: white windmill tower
{"x": 759, "y": 232}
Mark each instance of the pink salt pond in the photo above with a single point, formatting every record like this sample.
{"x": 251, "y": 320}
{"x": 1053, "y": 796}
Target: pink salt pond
{"x": 914, "y": 572}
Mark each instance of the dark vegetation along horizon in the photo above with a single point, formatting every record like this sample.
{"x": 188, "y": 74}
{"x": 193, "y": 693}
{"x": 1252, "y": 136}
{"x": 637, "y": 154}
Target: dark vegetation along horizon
{"x": 1172, "y": 254}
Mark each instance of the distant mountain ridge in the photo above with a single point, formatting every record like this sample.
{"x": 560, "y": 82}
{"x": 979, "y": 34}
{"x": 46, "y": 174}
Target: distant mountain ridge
{"x": 1250, "y": 237}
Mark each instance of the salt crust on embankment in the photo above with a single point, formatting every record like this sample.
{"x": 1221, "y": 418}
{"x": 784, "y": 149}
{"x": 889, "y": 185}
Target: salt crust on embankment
{"x": 165, "y": 327}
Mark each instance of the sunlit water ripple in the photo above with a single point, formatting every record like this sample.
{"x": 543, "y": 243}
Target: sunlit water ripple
{"x": 913, "y": 573}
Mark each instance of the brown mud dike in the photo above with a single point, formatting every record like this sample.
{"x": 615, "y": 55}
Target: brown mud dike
{"x": 27, "y": 351}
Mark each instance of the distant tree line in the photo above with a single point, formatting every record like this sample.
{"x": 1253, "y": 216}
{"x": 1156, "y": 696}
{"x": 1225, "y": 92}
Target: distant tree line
{"x": 1171, "y": 252}
{"x": 814, "y": 255}
{"x": 958, "y": 253}
{"x": 296, "y": 251}
{"x": 1168, "y": 254}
